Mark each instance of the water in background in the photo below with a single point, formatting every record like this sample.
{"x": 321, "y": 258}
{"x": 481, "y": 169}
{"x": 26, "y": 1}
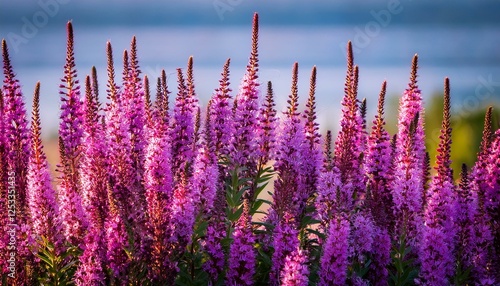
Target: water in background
{"x": 467, "y": 52}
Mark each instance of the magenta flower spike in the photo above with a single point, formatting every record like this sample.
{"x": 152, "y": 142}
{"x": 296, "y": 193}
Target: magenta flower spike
{"x": 132, "y": 97}
{"x": 16, "y": 134}
{"x": 329, "y": 184}
{"x": 70, "y": 128}
{"x": 295, "y": 271}
{"x": 268, "y": 124}
{"x": 73, "y": 217}
{"x": 117, "y": 240}
{"x": 91, "y": 270}
{"x": 492, "y": 196}
{"x": 244, "y": 147}
{"x": 212, "y": 242}
{"x": 465, "y": 222}
{"x": 439, "y": 216}
{"x": 93, "y": 175}
{"x": 124, "y": 185}
{"x": 70, "y": 139}
{"x": 4, "y": 218}
{"x": 43, "y": 208}
{"x": 182, "y": 127}
{"x": 183, "y": 212}
{"x": 290, "y": 192}
{"x": 242, "y": 255}
{"x": 285, "y": 241}
{"x": 378, "y": 167}
{"x": 93, "y": 181}
{"x": 381, "y": 256}
{"x": 362, "y": 235}
{"x": 162, "y": 98}
{"x": 158, "y": 185}
{"x": 335, "y": 257}
{"x": 348, "y": 145}
{"x": 409, "y": 162}
{"x": 314, "y": 162}
{"x": 221, "y": 115}
{"x": 483, "y": 244}
{"x": 204, "y": 181}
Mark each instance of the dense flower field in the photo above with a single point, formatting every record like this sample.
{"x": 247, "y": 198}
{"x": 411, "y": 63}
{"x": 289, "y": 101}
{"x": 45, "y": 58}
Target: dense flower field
{"x": 158, "y": 191}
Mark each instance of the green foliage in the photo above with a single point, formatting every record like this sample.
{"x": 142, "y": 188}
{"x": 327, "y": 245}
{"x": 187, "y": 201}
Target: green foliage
{"x": 260, "y": 182}
{"x": 402, "y": 270}
{"x": 57, "y": 269}
{"x": 235, "y": 189}
{"x": 462, "y": 275}
{"x": 360, "y": 268}
{"x": 138, "y": 269}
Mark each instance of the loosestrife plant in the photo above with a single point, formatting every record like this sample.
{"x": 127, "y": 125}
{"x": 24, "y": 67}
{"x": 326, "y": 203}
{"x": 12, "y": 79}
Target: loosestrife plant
{"x": 154, "y": 192}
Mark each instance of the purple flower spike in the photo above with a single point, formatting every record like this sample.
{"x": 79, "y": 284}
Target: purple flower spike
{"x": 132, "y": 97}
{"x": 70, "y": 128}
{"x": 221, "y": 115}
{"x": 378, "y": 168}
{"x": 16, "y": 134}
{"x": 93, "y": 178}
{"x": 381, "y": 255}
{"x": 4, "y": 236}
{"x": 162, "y": 98}
{"x": 242, "y": 261}
{"x": 119, "y": 159}
{"x": 409, "y": 161}
{"x": 349, "y": 145}
{"x": 492, "y": 196}
{"x": 483, "y": 252}
{"x": 212, "y": 243}
{"x": 183, "y": 213}
{"x": 182, "y": 127}
{"x": 439, "y": 215}
{"x": 290, "y": 192}
{"x": 313, "y": 163}
{"x": 158, "y": 186}
{"x": 285, "y": 241}
{"x": 116, "y": 242}
{"x": 204, "y": 181}
{"x": 295, "y": 271}
{"x": 268, "y": 123}
{"x": 70, "y": 142}
{"x": 329, "y": 184}
{"x": 91, "y": 269}
{"x": 334, "y": 261}
{"x": 465, "y": 220}
{"x": 41, "y": 196}
{"x": 74, "y": 220}
{"x": 247, "y": 105}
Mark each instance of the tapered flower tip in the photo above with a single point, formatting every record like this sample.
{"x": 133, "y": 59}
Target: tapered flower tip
{"x": 255, "y": 24}
{"x": 381, "y": 99}
{"x": 7, "y": 67}
{"x": 350, "y": 57}
{"x": 414, "y": 68}
{"x": 69, "y": 29}
{"x": 294, "y": 97}
{"x": 255, "y": 42}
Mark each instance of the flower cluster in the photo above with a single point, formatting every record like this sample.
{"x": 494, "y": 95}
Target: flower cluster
{"x": 237, "y": 193}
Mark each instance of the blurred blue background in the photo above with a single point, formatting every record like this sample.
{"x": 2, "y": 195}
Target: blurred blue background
{"x": 459, "y": 39}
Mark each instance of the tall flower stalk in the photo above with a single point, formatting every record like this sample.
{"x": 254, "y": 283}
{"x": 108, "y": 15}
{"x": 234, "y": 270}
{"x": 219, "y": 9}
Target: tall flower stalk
{"x": 70, "y": 141}
{"x": 409, "y": 162}
{"x": 439, "y": 218}
{"x": 349, "y": 147}
{"x": 43, "y": 207}
{"x": 244, "y": 149}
